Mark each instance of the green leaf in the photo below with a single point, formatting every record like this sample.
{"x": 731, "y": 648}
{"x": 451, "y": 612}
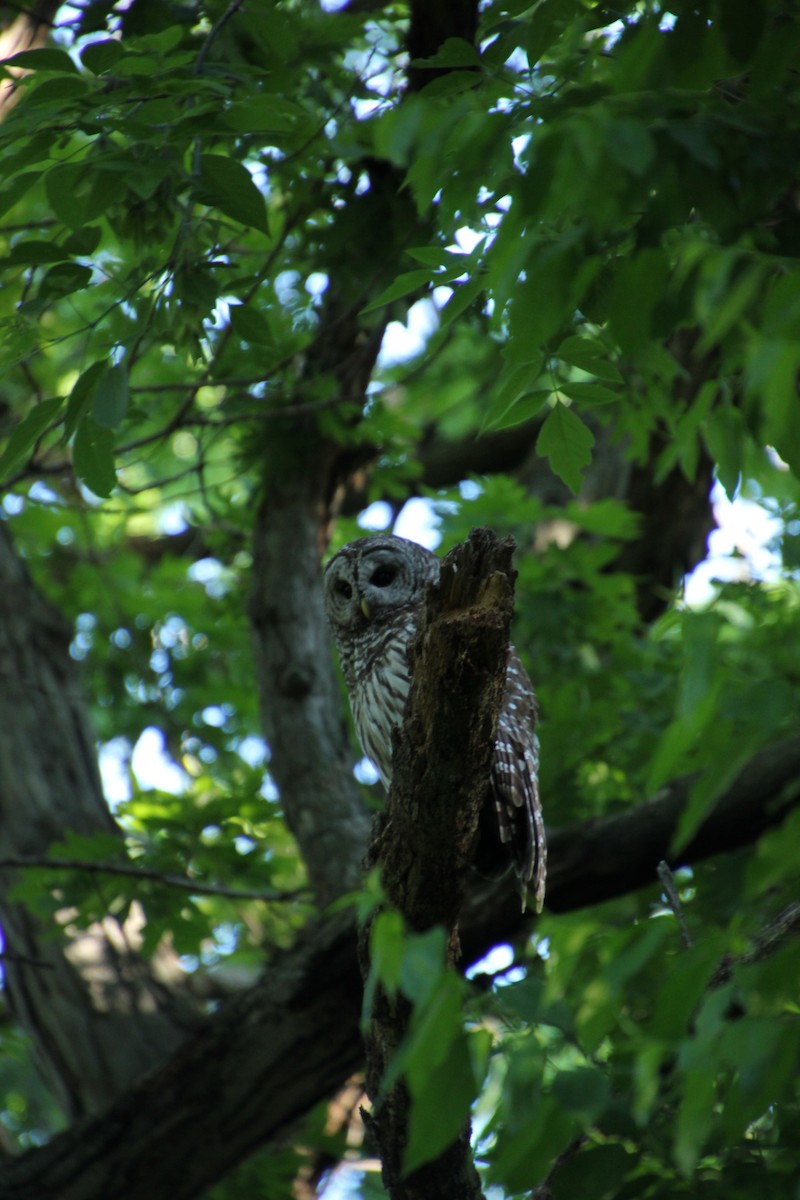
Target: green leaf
{"x": 590, "y": 356}
{"x": 165, "y": 39}
{"x": 599, "y": 1171}
{"x": 35, "y": 253}
{"x": 94, "y": 847}
{"x": 55, "y": 91}
{"x": 541, "y": 304}
{"x": 743, "y": 23}
{"x": 524, "y": 1154}
{"x": 81, "y": 396}
{"x": 583, "y": 1091}
{"x": 63, "y": 279}
{"x": 440, "y": 1107}
{"x": 631, "y": 145}
{"x": 587, "y": 392}
{"x": 706, "y": 791}
{"x": 434, "y": 1027}
{"x": 93, "y": 457}
{"x": 423, "y": 964}
{"x": 403, "y": 285}
{"x": 228, "y": 185}
{"x": 608, "y": 518}
{"x": 251, "y": 326}
{"x": 101, "y": 56}
{"x": 516, "y": 380}
{"x": 463, "y": 295}
{"x": 17, "y": 189}
{"x": 387, "y": 947}
{"x": 435, "y": 257}
{"x": 638, "y": 289}
{"x": 694, "y": 1115}
{"x": 110, "y": 399}
{"x": 83, "y": 241}
{"x": 522, "y": 409}
{"x": 453, "y": 52}
{"x": 567, "y": 443}
{"x": 47, "y": 59}
{"x": 27, "y": 433}
{"x": 683, "y": 987}
{"x": 578, "y": 348}
{"x": 725, "y": 436}
{"x": 263, "y": 114}
{"x": 77, "y": 193}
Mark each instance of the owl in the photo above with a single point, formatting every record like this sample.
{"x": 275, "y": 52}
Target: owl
{"x": 374, "y": 589}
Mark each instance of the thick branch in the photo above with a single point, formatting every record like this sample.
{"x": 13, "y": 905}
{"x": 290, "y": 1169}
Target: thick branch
{"x": 272, "y": 1053}
{"x": 618, "y": 854}
{"x": 425, "y": 838}
{"x": 250, "y": 1072}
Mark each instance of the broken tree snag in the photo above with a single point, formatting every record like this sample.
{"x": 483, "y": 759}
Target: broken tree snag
{"x": 443, "y": 753}
{"x": 424, "y": 841}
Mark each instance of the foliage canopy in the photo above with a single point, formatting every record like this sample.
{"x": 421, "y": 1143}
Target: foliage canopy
{"x": 537, "y": 265}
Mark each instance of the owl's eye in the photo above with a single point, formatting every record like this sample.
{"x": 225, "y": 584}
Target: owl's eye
{"x": 343, "y": 589}
{"x": 382, "y": 576}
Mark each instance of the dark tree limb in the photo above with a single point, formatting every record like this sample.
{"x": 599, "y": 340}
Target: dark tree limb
{"x": 246, "y": 1074}
{"x": 619, "y": 854}
{"x": 270, "y": 1054}
{"x": 425, "y": 837}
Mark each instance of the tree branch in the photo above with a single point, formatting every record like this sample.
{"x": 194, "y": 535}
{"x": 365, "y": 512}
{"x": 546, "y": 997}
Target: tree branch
{"x": 270, "y": 1054}
{"x": 131, "y": 871}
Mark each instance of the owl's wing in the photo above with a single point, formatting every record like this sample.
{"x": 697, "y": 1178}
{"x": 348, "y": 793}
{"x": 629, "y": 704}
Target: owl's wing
{"x": 515, "y": 782}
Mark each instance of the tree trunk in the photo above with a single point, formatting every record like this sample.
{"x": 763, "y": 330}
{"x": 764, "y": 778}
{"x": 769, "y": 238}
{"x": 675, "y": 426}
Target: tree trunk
{"x": 300, "y": 695}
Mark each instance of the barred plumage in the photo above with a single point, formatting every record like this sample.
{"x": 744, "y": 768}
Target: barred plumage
{"x": 374, "y": 588}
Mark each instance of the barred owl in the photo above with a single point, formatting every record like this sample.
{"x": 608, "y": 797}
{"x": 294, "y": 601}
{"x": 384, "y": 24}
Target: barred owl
{"x": 374, "y": 589}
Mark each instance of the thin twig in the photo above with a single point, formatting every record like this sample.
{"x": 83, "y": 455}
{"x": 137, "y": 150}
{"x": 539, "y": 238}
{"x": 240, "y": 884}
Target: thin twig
{"x": 25, "y": 960}
{"x": 214, "y": 32}
{"x": 147, "y": 873}
{"x": 674, "y": 900}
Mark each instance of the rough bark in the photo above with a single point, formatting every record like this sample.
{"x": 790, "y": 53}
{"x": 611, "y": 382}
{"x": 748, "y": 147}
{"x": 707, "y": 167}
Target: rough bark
{"x": 249, "y": 1073}
{"x": 98, "y": 1015}
{"x": 269, "y": 1055}
{"x": 300, "y": 694}
{"x": 424, "y": 841}
{"x": 304, "y": 473}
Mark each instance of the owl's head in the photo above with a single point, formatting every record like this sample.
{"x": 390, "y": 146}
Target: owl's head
{"x": 373, "y": 578}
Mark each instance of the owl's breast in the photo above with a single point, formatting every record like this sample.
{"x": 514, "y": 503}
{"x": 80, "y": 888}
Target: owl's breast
{"x": 378, "y": 699}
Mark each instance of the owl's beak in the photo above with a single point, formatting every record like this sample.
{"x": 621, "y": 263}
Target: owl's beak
{"x": 365, "y": 609}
